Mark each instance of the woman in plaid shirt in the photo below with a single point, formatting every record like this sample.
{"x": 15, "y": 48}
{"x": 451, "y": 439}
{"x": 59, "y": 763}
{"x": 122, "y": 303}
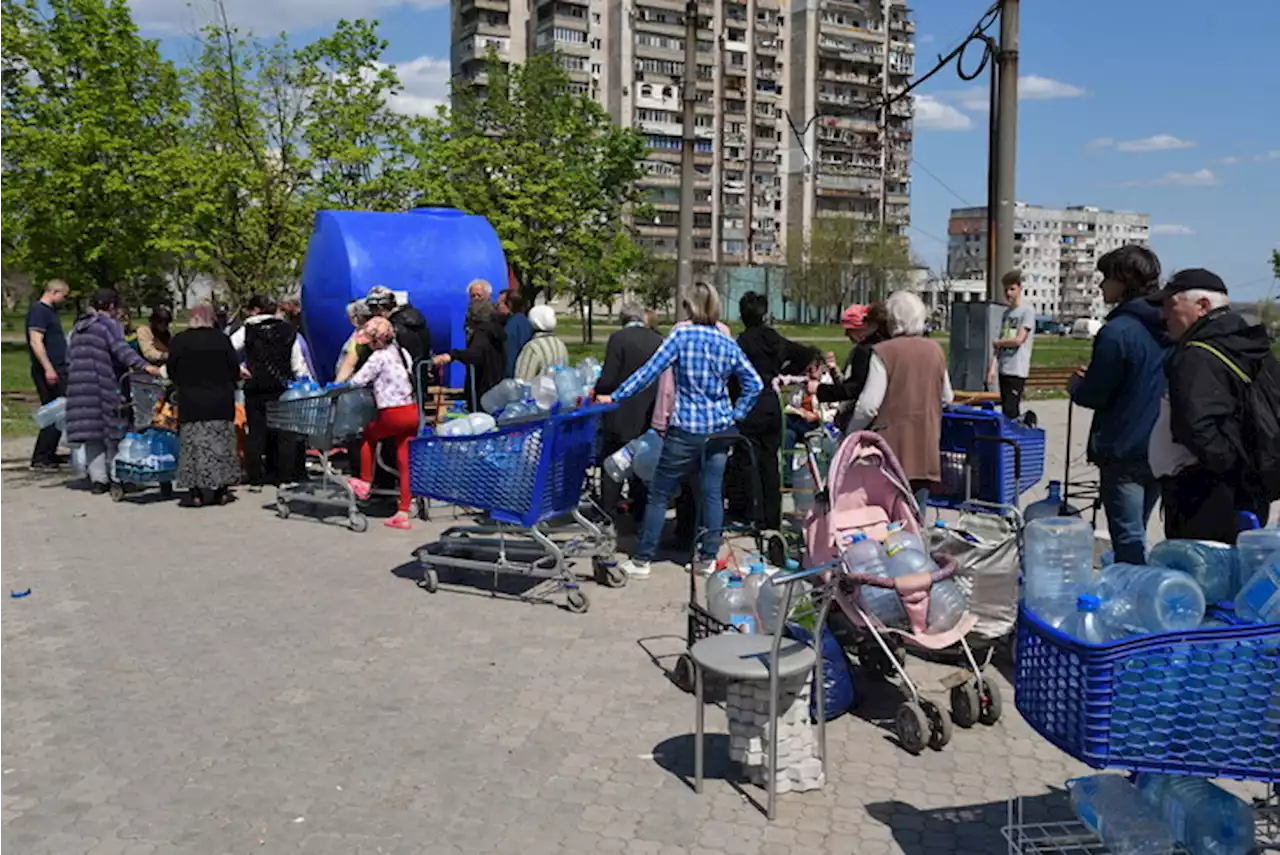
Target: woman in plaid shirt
{"x": 702, "y": 359}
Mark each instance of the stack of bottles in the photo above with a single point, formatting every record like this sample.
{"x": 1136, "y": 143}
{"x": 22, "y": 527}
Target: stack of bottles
{"x": 1150, "y": 815}
{"x": 153, "y": 451}
{"x": 902, "y": 554}
{"x": 568, "y": 386}
{"x": 638, "y": 457}
{"x": 746, "y": 600}
{"x": 304, "y": 388}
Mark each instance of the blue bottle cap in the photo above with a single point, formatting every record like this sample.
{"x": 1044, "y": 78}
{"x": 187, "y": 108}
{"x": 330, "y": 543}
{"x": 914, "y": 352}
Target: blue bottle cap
{"x": 1088, "y": 602}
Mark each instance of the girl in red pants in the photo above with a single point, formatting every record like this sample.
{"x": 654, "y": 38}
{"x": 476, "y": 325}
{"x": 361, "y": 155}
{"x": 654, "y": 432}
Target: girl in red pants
{"x": 388, "y": 372}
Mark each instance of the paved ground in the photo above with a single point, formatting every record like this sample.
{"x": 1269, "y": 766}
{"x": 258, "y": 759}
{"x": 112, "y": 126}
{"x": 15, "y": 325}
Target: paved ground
{"x": 220, "y": 681}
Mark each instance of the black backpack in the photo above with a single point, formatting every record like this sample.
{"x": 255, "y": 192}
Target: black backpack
{"x": 1261, "y": 426}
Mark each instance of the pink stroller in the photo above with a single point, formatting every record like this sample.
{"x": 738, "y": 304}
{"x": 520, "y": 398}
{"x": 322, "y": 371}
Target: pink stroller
{"x": 864, "y": 492}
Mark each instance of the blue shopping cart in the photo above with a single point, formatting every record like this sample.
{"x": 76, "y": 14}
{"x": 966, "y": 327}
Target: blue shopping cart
{"x": 527, "y": 479}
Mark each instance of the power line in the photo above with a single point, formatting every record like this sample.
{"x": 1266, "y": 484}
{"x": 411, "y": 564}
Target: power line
{"x": 944, "y": 184}
{"x": 931, "y": 237}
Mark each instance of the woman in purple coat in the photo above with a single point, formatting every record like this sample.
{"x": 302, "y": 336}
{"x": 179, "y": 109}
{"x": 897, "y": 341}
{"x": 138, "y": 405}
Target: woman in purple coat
{"x": 98, "y": 356}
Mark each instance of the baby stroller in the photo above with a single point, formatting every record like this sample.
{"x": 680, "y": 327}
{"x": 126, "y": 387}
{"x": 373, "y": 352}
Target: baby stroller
{"x": 865, "y": 491}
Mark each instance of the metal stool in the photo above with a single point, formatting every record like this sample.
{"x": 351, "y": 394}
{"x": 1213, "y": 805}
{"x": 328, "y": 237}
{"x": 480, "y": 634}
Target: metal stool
{"x": 759, "y": 658}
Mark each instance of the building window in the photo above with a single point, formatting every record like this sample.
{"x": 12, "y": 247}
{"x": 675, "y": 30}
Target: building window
{"x": 564, "y": 35}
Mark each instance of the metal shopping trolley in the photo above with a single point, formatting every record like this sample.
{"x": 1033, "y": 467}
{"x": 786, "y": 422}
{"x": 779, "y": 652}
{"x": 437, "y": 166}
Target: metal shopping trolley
{"x": 528, "y": 477}
{"x": 144, "y": 399}
{"x": 324, "y": 419}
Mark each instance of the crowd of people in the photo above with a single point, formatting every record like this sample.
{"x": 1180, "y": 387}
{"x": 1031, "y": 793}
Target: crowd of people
{"x": 1179, "y": 382}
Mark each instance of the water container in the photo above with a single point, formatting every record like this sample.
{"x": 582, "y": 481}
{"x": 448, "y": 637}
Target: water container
{"x": 52, "y": 413}
{"x": 292, "y": 391}
{"x": 79, "y": 459}
{"x": 506, "y": 392}
{"x": 1049, "y": 506}
{"x": 639, "y": 457}
{"x": 131, "y": 449}
{"x": 1113, "y": 809}
{"x": 947, "y": 604}
{"x": 1087, "y": 624}
{"x": 732, "y": 605}
{"x": 1212, "y": 565}
{"x": 1259, "y": 599}
{"x": 1204, "y": 818}
{"x": 756, "y": 577}
{"x": 432, "y": 254}
{"x": 1140, "y": 599}
{"x": 899, "y": 538}
{"x": 715, "y": 582}
{"x": 478, "y": 423}
{"x": 1057, "y": 566}
{"x": 1253, "y": 549}
{"x": 568, "y": 386}
{"x": 769, "y": 604}
{"x": 543, "y": 392}
{"x": 802, "y": 490}
{"x": 863, "y": 555}
{"x": 516, "y": 411}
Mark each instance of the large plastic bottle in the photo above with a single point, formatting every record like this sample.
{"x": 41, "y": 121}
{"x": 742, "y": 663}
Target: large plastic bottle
{"x": 1259, "y": 599}
{"x": 947, "y": 604}
{"x": 732, "y": 605}
{"x": 292, "y": 391}
{"x": 1113, "y": 809}
{"x": 639, "y": 456}
{"x": 1140, "y": 599}
{"x": 715, "y": 583}
{"x": 769, "y": 604}
{"x": 1049, "y": 506}
{"x": 52, "y": 413}
{"x": 802, "y": 488}
{"x": 568, "y": 386}
{"x": 864, "y": 555}
{"x": 1057, "y": 566}
{"x": 1212, "y": 565}
{"x": 479, "y": 423}
{"x": 899, "y": 537}
{"x": 543, "y": 392}
{"x": 1253, "y": 551}
{"x": 517, "y": 410}
{"x": 756, "y": 577}
{"x": 1087, "y": 624}
{"x": 1204, "y": 818}
{"x": 505, "y": 392}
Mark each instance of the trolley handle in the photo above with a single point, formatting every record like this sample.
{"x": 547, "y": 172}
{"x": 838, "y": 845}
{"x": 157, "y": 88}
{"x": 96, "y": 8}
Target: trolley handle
{"x": 994, "y": 440}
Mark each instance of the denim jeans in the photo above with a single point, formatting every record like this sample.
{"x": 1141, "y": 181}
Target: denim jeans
{"x": 681, "y": 455}
{"x": 1129, "y": 492}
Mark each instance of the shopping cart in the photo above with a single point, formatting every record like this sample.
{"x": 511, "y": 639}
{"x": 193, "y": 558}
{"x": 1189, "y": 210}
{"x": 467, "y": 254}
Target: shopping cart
{"x": 324, "y": 419}
{"x": 143, "y": 396}
{"x": 528, "y": 478}
{"x": 987, "y": 459}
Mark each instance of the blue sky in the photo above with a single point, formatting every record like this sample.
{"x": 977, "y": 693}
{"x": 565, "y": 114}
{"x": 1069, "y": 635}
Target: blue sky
{"x": 1160, "y": 106}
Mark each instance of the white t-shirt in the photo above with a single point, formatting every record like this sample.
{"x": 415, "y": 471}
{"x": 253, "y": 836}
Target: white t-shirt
{"x": 1166, "y": 456}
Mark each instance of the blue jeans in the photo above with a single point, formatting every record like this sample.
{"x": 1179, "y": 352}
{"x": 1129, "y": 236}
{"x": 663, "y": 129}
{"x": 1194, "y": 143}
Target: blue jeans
{"x": 682, "y": 454}
{"x": 1128, "y": 491}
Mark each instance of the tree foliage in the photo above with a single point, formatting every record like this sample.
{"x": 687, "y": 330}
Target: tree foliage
{"x": 841, "y": 260}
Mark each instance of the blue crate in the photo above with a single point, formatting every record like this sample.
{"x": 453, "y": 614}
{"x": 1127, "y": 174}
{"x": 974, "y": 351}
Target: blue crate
{"x": 966, "y": 433}
{"x": 1204, "y": 702}
{"x": 524, "y": 473}
{"x": 132, "y": 473}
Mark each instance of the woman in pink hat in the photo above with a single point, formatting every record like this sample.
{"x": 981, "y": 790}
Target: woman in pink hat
{"x": 865, "y": 327}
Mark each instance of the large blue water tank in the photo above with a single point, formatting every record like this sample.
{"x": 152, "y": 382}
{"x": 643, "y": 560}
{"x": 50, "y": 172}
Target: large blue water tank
{"x": 432, "y": 253}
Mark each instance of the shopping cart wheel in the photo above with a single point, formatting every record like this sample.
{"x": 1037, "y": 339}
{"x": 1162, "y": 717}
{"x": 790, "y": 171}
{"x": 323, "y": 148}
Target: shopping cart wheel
{"x": 609, "y": 574}
{"x": 939, "y": 725}
{"x": 912, "y": 727}
{"x": 282, "y": 509}
{"x": 992, "y": 704}
{"x": 966, "y": 706}
{"x": 116, "y": 491}
{"x": 682, "y": 674}
{"x": 430, "y": 580}
{"x": 577, "y": 601}
{"x": 357, "y": 522}
{"x": 166, "y": 489}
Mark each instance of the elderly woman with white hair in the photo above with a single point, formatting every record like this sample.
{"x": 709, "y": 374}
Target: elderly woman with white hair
{"x": 545, "y": 349}
{"x": 906, "y": 389}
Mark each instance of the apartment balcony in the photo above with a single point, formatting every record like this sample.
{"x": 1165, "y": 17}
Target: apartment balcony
{"x": 735, "y": 139}
{"x": 466, "y": 6}
{"x": 848, "y": 184}
{"x": 769, "y": 73}
{"x": 482, "y": 28}
{"x": 769, "y": 46}
{"x": 849, "y": 77}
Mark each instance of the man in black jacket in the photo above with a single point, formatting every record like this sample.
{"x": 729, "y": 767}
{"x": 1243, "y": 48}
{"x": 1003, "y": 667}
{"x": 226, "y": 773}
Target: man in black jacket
{"x": 1198, "y": 447}
{"x": 624, "y": 353}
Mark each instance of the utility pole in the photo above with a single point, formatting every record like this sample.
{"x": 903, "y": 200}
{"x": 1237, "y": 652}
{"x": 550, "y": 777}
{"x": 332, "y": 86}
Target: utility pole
{"x": 883, "y": 227}
{"x": 1007, "y": 148}
{"x": 689, "y": 92}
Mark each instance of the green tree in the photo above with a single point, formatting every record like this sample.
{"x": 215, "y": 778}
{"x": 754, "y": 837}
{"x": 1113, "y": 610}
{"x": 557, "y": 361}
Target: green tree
{"x": 93, "y": 121}
{"x": 1275, "y": 263}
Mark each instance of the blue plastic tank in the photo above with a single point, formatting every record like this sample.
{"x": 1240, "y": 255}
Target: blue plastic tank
{"x": 431, "y": 253}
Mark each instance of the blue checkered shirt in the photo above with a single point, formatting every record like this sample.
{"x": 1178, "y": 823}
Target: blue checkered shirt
{"x": 704, "y": 360}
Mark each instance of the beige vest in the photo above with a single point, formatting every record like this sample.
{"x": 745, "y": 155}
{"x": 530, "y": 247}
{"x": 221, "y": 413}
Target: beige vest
{"x": 910, "y": 419}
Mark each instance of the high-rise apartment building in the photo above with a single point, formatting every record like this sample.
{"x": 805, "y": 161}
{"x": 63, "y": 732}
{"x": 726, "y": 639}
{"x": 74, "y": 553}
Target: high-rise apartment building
{"x": 757, "y": 61}
{"x": 1057, "y": 250}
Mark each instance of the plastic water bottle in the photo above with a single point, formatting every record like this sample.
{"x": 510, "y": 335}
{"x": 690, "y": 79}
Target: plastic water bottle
{"x": 1058, "y": 566}
{"x": 1142, "y": 599}
{"x": 1259, "y": 599}
{"x": 543, "y": 392}
{"x": 52, "y": 413}
{"x": 517, "y": 410}
{"x": 802, "y": 489}
{"x": 292, "y": 391}
{"x": 504, "y": 393}
{"x": 947, "y": 604}
{"x": 639, "y": 456}
{"x": 131, "y": 449}
{"x": 478, "y": 423}
{"x": 568, "y": 387}
{"x": 899, "y": 538}
{"x": 79, "y": 459}
{"x": 756, "y": 577}
{"x": 732, "y": 605}
{"x": 715, "y": 583}
{"x": 863, "y": 555}
{"x": 1204, "y": 818}
{"x": 1254, "y": 549}
{"x": 1113, "y": 809}
{"x": 1049, "y": 506}
{"x": 1087, "y": 623}
{"x": 769, "y": 604}
{"x": 1212, "y": 565}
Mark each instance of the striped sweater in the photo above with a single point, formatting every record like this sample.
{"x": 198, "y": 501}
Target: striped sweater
{"x": 543, "y": 351}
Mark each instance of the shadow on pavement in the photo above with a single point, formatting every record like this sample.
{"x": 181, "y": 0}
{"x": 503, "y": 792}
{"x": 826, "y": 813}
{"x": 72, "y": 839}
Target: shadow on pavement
{"x": 968, "y": 829}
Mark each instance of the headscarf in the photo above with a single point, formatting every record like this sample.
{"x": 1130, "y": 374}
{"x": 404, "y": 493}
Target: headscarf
{"x": 542, "y": 319}
{"x": 377, "y": 333}
{"x": 201, "y": 316}
{"x": 854, "y": 317}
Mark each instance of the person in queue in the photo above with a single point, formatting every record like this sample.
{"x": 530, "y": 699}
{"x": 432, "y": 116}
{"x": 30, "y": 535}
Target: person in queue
{"x": 204, "y": 370}
{"x": 290, "y": 309}
{"x": 272, "y": 358}
{"x": 412, "y": 331}
{"x": 1204, "y": 441}
{"x": 772, "y": 355}
{"x": 48, "y": 348}
{"x": 703, "y": 360}
{"x": 545, "y": 349}
{"x": 387, "y": 371}
{"x": 516, "y": 325}
{"x": 1123, "y": 385}
{"x": 154, "y": 335}
{"x": 353, "y": 354}
{"x": 483, "y": 354}
{"x": 625, "y": 353}
{"x": 479, "y": 290}
{"x": 906, "y": 389}
{"x": 865, "y": 327}
{"x": 98, "y": 355}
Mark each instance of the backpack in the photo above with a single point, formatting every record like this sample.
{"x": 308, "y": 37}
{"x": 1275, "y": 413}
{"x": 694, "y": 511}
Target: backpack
{"x": 1261, "y": 423}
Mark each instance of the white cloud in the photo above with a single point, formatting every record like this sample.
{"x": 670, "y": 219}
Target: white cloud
{"x": 1172, "y": 229}
{"x": 1199, "y": 178}
{"x": 934, "y": 115}
{"x": 925, "y": 39}
{"x": 424, "y": 86}
{"x": 1158, "y": 142}
{"x": 264, "y": 17}
{"x": 1273, "y": 154}
{"x": 1033, "y": 87}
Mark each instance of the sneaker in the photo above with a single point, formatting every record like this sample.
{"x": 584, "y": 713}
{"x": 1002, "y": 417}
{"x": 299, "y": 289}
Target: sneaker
{"x": 704, "y": 567}
{"x": 636, "y": 569}
{"x": 44, "y": 466}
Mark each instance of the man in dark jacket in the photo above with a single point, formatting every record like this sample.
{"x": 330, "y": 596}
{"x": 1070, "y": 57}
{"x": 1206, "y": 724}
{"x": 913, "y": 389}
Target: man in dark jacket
{"x": 412, "y": 331}
{"x": 515, "y": 322}
{"x": 1198, "y": 446}
{"x": 624, "y": 353}
{"x": 483, "y": 354}
{"x": 1123, "y": 385}
{"x": 273, "y": 358}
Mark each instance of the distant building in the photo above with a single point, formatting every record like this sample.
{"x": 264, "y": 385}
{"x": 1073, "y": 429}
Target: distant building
{"x": 941, "y": 292}
{"x": 1057, "y": 250}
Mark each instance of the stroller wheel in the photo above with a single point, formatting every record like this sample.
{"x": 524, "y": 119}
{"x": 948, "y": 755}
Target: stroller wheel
{"x": 992, "y": 704}
{"x": 966, "y": 706}
{"x": 682, "y": 674}
{"x": 939, "y": 725}
{"x": 912, "y": 727}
